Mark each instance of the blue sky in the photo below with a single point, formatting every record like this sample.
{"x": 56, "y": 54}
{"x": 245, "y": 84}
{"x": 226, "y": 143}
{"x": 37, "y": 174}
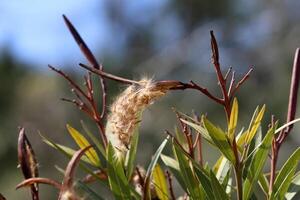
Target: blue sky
{"x": 34, "y": 30}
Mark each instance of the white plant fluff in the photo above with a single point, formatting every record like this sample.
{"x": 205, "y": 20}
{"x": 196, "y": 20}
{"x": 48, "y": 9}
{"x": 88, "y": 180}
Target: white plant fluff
{"x": 126, "y": 110}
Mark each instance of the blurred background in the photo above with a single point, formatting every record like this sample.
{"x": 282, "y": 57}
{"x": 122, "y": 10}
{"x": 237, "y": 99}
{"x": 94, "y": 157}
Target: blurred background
{"x": 164, "y": 39}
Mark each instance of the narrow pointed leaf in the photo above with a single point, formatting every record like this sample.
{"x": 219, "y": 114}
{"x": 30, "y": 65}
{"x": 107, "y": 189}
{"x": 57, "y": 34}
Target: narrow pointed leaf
{"x": 221, "y": 141}
{"x": 218, "y": 190}
{"x": 152, "y": 165}
{"x": 95, "y": 140}
{"x": 294, "y": 188}
{"x": 253, "y": 129}
{"x": 173, "y": 165}
{"x": 82, "y": 143}
{"x": 285, "y": 175}
{"x": 233, "y": 119}
{"x": 117, "y": 180}
{"x": 263, "y": 183}
{"x": 131, "y": 155}
{"x": 205, "y": 181}
{"x": 187, "y": 174}
{"x": 200, "y": 130}
{"x": 88, "y": 193}
{"x": 257, "y": 163}
{"x": 66, "y": 150}
{"x": 221, "y": 168}
{"x": 160, "y": 183}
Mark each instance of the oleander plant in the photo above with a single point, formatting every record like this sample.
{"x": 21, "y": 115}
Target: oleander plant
{"x": 109, "y": 156}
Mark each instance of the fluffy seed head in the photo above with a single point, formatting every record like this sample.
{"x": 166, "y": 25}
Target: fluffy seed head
{"x": 126, "y": 112}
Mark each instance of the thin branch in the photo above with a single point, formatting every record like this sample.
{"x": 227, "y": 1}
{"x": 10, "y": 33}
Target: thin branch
{"x": 232, "y": 81}
{"x": 109, "y": 76}
{"x": 227, "y": 73}
{"x": 74, "y": 85}
{"x": 238, "y": 85}
{"x": 169, "y": 178}
{"x": 193, "y": 85}
{"x": 31, "y": 181}
{"x": 221, "y": 79}
{"x": 91, "y": 58}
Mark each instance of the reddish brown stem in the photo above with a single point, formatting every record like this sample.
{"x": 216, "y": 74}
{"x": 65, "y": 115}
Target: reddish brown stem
{"x": 91, "y": 58}
{"x": 169, "y": 178}
{"x": 292, "y": 106}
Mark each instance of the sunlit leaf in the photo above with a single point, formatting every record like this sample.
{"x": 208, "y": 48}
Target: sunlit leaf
{"x": 294, "y": 188}
{"x": 200, "y": 129}
{"x": 254, "y": 126}
{"x": 173, "y": 165}
{"x": 131, "y": 155}
{"x": 218, "y": 190}
{"x": 82, "y": 143}
{"x": 160, "y": 183}
{"x": 287, "y": 125}
{"x": 233, "y": 119}
{"x": 204, "y": 179}
{"x": 94, "y": 139}
{"x": 285, "y": 175}
{"x": 117, "y": 180}
{"x": 257, "y": 163}
{"x": 187, "y": 174}
{"x": 152, "y": 165}
{"x": 220, "y": 139}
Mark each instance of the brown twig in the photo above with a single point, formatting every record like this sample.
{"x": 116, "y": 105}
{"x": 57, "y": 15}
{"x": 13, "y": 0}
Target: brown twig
{"x": 238, "y": 85}
{"x": 169, "y": 178}
{"x": 31, "y": 181}
{"x": 109, "y": 76}
{"x": 91, "y": 58}
{"x": 187, "y": 134}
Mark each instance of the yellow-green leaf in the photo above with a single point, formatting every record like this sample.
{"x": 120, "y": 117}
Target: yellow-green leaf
{"x": 253, "y": 128}
{"x": 220, "y": 139}
{"x": 233, "y": 119}
{"x": 160, "y": 183}
{"x": 82, "y": 142}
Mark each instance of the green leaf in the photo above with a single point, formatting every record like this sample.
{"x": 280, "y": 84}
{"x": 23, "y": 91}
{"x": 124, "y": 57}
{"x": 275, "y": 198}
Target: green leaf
{"x": 95, "y": 140}
{"x": 69, "y": 153}
{"x": 220, "y": 139}
{"x": 174, "y": 168}
{"x": 200, "y": 130}
{"x": 66, "y": 150}
{"x": 218, "y": 190}
{"x": 263, "y": 183}
{"x": 117, "y": 180}
{"x": 187, "y": 174}
{"x": 294, "y": 188}
{"x": 152, "y": 165}
{"x": 285, "y": 175}
{"x": 233, "y": 119}
{"x": 204, "y": 179}
{"x": 160, "y": 183}
{"x": 82, "y": 143}
{"x": 88, "y": 193}
{"x": 254, "y": 126}
{"x": 131, "y": 155}
{"x": 257, "y": 163}
{"x": 221, "y": 168}
{"x": 181, "y": 139}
